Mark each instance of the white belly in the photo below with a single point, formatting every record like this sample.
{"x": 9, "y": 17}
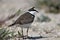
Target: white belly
{"x": 25, "y": 25}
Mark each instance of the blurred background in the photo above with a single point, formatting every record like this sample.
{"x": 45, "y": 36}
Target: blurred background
{"x": 46, "y": 23}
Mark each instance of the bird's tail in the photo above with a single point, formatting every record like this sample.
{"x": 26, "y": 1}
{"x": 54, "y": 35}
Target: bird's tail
{"x": 11, "y": 25}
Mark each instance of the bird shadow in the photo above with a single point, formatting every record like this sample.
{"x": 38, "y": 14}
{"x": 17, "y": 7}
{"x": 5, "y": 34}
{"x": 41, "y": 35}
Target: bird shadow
{"x": 38, "y": 37}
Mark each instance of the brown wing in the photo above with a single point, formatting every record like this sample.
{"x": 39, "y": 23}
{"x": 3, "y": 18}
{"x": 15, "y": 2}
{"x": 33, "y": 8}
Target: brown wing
{"x": 25, "y": 18}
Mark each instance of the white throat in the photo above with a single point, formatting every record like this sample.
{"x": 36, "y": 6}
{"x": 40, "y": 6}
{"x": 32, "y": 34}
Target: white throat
{"x": 32, "y": 12}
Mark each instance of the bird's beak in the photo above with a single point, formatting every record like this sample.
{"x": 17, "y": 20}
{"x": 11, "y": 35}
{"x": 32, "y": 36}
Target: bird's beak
{"x": 37, "y": 11}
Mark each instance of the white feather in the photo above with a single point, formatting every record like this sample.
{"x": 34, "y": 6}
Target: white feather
{"x": 32, "y": 12}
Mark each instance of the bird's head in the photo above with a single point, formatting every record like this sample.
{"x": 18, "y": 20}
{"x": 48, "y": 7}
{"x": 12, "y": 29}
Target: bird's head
{"x": 32, "y": 10}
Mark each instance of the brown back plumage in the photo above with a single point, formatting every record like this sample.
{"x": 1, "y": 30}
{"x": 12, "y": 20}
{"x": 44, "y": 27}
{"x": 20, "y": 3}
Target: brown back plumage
{"x": 24, "y": 19}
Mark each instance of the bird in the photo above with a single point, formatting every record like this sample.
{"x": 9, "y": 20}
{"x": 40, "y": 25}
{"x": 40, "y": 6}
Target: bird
{"x": 26, "y": 19}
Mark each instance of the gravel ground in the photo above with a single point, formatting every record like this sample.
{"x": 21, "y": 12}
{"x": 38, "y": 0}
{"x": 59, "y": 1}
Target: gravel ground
{"x": 50, "y": 30}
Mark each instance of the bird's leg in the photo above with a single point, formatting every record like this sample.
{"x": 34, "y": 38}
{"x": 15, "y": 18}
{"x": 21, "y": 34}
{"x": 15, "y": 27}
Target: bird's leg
{"x": 27, "y": 31}
{"x": 22, "y": 34}
{"x": 22, "y": 31}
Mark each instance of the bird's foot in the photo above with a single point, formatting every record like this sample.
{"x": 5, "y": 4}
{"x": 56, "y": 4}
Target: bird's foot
{"x": 22, "y": 36}
{"x": 25, "y": 36}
